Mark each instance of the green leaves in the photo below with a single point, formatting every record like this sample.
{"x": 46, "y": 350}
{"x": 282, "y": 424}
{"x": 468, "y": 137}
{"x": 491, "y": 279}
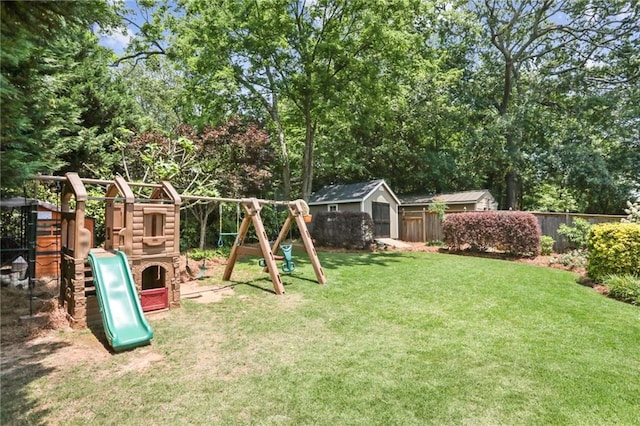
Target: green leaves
{"x": 60, "y": 105}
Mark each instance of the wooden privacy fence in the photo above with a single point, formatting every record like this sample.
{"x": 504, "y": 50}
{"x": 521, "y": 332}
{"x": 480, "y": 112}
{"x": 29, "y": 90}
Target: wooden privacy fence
{"x": 550, "y": 223}
{"x": 417, "y": 226}
{"x": 424, "y": 226}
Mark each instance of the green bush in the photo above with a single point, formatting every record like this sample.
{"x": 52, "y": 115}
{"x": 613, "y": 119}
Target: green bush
{"x": 624, "y": 287}
{"x": 198, "y": 254}
{"x": 546, "y": 245}
{"x": 578, "y": 234}
{"x": 613, "y": 248}
{"x": 573, "y": 259}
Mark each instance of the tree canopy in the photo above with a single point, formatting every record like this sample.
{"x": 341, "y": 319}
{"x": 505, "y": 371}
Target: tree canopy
{"x": 535, "y": 100}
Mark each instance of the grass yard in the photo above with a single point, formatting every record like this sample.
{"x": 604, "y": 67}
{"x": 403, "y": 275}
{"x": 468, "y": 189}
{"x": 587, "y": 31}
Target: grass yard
{"x": 393, "y": 338}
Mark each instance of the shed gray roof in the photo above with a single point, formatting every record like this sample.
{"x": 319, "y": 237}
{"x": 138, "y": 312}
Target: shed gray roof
{"x": 350, "y": 193}
{"x": 463, "y": 197}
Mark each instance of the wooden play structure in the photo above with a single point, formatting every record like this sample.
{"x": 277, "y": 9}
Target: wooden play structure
{"x": 297, "y": 211}
{"x": 266, "y": 250}
{"x": 147, "y": 230}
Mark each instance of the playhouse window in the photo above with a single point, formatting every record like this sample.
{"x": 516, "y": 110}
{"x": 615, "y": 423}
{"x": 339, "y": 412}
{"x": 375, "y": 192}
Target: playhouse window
{"x": 154, "y": 224}
{"x": 333, "y": 207}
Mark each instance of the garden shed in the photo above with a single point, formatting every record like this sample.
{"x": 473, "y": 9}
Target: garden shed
{"x": 373, "y": 197}
{"x": 476, "y": 200}
{"x": 417, "y": 223}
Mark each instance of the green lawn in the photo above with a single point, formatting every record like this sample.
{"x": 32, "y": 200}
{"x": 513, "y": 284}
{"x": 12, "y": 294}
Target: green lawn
{"x": 393, "y": 338}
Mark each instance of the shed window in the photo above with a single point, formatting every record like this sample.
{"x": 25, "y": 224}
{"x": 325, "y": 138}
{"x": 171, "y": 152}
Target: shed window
{"x": 333, "y": 207}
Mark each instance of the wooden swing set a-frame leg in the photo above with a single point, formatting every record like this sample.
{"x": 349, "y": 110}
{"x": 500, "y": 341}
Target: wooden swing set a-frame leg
{"x": 252, "y": 210}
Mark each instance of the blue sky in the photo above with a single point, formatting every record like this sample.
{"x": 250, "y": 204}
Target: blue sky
{"x": 118, "y": 39}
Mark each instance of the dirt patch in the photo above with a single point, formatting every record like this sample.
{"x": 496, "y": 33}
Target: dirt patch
{"x": 144, "y": 359}
{"x": 193, "y": 290}
{"x": 17, "y": 307}
{"x": 191, "y": 270}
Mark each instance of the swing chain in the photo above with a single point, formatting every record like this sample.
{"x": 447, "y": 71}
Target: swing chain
{"x": 220, "y": 233}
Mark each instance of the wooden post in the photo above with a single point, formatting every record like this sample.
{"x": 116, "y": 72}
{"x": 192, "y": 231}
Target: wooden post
{"x": 295, "y": 211}
{"x": 252, "y": 209}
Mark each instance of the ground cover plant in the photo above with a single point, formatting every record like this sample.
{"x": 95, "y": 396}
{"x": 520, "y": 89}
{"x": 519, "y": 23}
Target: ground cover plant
{"x": 393, "y": 338}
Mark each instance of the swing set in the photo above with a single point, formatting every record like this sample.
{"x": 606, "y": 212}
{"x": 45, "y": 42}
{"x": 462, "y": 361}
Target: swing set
{"x": 252, "y": 207}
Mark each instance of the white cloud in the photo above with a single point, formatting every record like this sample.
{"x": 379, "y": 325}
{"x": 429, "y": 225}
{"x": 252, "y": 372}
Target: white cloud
{"x": 116, "y": 39}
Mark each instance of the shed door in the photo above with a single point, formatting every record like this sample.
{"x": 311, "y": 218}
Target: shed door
{"x": 382, "y": 219}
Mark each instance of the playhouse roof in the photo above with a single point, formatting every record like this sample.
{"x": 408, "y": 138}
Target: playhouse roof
{"x": 349, "y": 193}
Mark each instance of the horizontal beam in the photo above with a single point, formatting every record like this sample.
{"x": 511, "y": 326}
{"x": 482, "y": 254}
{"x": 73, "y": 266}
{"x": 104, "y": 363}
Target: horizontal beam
{"x": 135, "y": 200}
{"x": 95, "y": 181}
{"x": 155, "y": 185}
{"x": 232, "y": 200}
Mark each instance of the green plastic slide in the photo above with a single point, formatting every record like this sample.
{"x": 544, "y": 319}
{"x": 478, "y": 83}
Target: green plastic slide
{"x": 122, "y": 316}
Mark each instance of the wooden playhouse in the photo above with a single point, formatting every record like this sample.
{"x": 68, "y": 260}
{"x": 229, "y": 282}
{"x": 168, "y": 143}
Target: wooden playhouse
{"x": 145, "y": 228}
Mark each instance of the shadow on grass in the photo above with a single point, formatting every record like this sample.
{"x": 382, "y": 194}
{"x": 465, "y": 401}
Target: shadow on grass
{"x": 265, "y": 284}
{"x": 21, "y": 365}
{"x": 328, "y": 261}
{"x": 97, "y": 328}
{"x": 340, "y": 260}
{"x": 267, "y": 288}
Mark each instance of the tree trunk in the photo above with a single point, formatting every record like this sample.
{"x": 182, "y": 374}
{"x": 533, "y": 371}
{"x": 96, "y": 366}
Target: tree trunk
{"x": 203, "y": 234}
{"x": 286, "y": 167}
{"x": 513, "y": 151}
{"x": 282, "y": 141}
{"x": 513, "y": 190}
{"x": 307, "y": 160}
{"x": 203, "y": 220}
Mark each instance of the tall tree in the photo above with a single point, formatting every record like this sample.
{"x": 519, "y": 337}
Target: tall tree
{"x": 551, "y": 38}
{"x": 232, "y": 160}
{"x": 298, "y": 53}
{"x": 37, "y": 62}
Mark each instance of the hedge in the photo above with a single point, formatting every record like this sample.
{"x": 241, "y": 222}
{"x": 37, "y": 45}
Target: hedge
{"x": 613, "y": 248}
{"x": 514, "y": 232}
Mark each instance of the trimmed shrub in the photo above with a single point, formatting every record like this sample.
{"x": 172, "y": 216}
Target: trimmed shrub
{"x": 623, "y": 287}
{"x": 614, "y": 248}
{"x": 343, "y": 229}
{"x": 514, "y": 232}
{"x": 546, "y": 245}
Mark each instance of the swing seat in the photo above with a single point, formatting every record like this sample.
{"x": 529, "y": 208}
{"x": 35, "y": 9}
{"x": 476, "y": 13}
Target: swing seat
{"x": 202, "y": 271}
{"x": 288, "y": 266}
{"x": 263, "y": 263}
